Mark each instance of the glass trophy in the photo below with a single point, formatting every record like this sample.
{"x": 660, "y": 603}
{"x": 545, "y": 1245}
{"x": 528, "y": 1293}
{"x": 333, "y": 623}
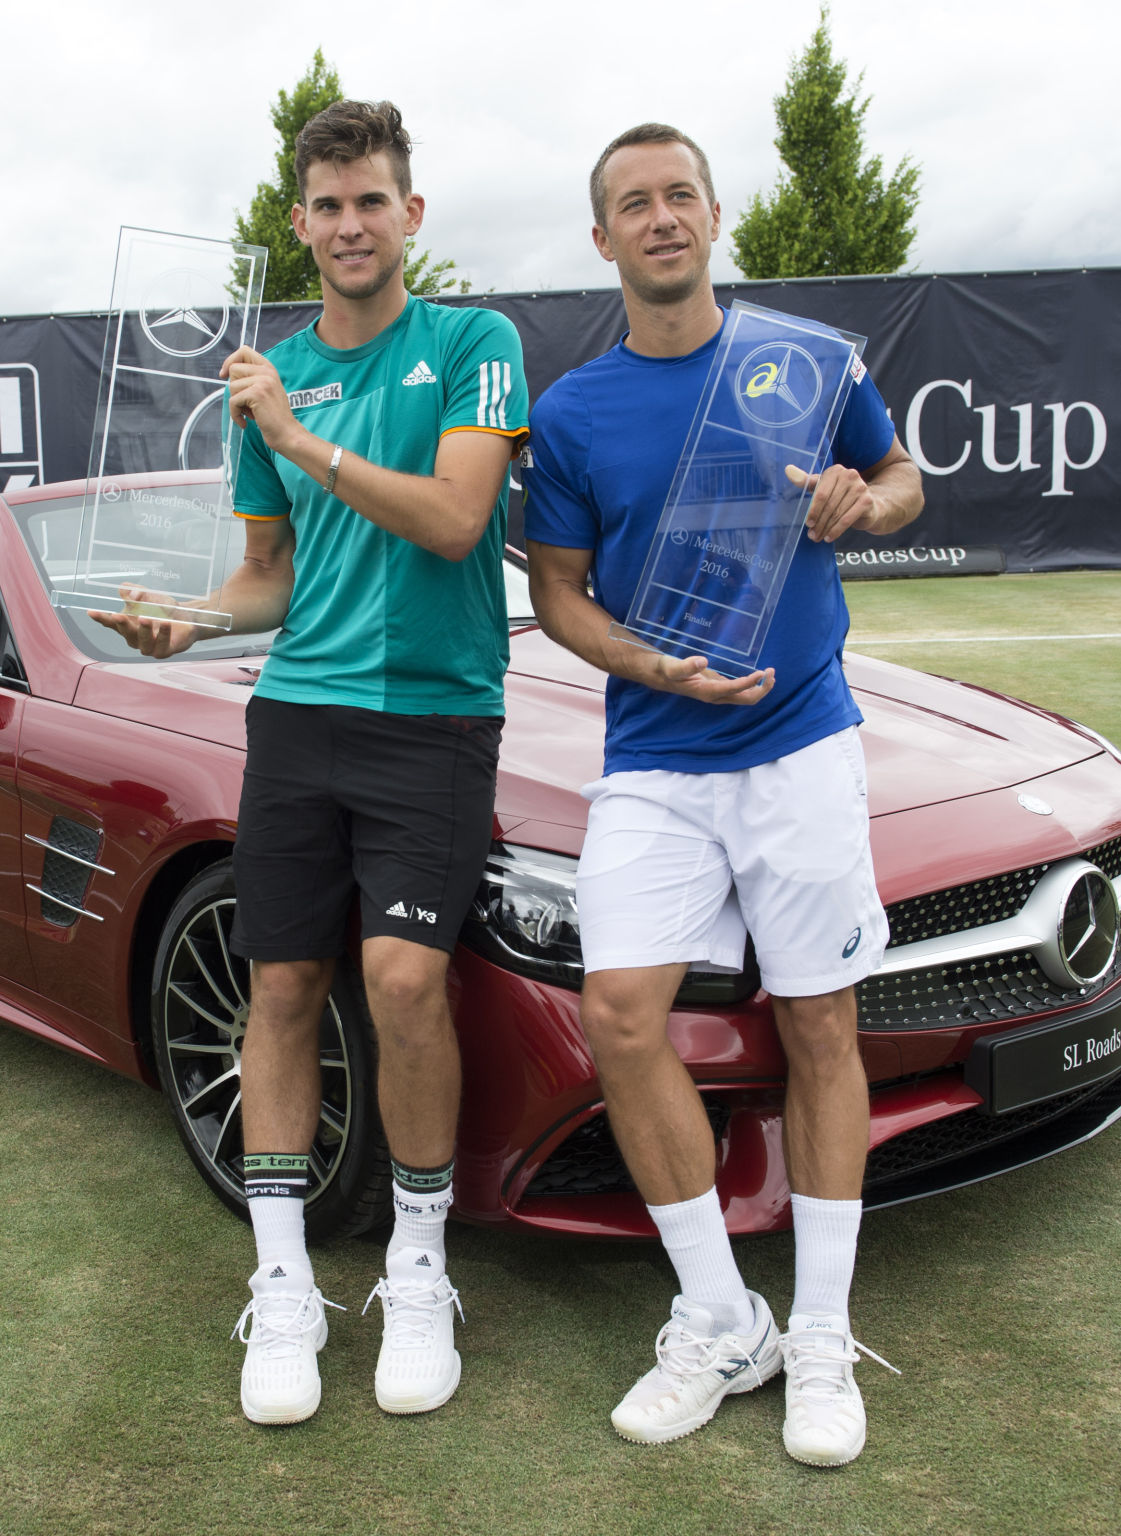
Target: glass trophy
{"x": 733, "y": 516}
{"x": 158, "y": 512}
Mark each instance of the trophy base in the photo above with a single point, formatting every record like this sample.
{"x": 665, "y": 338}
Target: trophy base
{"x": 730, "y": 664}
{"x": 102, "y": 602}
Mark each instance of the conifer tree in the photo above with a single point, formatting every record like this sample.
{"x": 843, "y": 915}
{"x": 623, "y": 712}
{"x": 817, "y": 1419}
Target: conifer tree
{"x": 829, "y": 214}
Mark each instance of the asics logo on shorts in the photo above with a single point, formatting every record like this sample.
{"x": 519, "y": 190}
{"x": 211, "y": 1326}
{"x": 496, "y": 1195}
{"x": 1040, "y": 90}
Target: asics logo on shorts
{"x": 852, "y": 945}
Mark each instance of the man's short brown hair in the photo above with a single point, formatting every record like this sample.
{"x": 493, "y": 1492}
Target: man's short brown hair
{"x": 352, "y": 130}
{"x": 645, "y": 133}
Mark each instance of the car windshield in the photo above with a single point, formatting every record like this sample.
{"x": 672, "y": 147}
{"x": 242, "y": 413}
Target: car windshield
{"x": 139, "y": 532}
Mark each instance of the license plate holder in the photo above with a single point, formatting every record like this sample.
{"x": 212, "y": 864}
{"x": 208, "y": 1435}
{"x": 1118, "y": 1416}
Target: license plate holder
{"x": 1013, "y": 1071}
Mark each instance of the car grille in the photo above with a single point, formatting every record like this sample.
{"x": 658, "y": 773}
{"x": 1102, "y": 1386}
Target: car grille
{"x": 984, "y": 991}
{"x": 968, "y": 1132}
{"x": 589, "y": 1163}
{"x": 984, "y": 901}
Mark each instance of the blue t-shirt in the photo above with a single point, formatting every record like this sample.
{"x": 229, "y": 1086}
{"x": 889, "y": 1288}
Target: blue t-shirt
{"x": 374, "y": 620}
{"x": 605, "y": 441}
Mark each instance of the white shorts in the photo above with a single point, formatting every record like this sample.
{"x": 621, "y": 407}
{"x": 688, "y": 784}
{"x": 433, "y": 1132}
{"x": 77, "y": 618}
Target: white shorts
{"x": 680, "y": 867}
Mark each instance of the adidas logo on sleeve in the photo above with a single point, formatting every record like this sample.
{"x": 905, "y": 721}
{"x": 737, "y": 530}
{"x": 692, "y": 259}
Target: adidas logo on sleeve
{"x": 421, "y": 374}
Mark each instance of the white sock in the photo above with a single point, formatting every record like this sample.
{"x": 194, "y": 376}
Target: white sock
{"x": 419, "y": 1220}
{"x": 825, "y": 1233}
{"x": 282, "y": 1256}
{"x": 696, "y": 1239}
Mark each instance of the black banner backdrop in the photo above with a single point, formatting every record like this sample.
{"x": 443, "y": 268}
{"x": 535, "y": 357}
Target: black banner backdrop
{"x": 1005, "y": 388}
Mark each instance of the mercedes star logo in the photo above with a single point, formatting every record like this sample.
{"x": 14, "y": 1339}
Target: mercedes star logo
{"x": 1089, "y": 927}
{"x": 1035, "y": 804}
{"x": 188, "y": 317}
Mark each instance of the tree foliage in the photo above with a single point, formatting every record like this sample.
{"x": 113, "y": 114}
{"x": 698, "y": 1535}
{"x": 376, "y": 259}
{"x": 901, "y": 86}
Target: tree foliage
{"x": 828, "y": 214}
{"x": 291, "y": 274}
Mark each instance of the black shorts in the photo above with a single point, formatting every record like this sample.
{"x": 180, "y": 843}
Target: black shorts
{"x": 334, "y": 798}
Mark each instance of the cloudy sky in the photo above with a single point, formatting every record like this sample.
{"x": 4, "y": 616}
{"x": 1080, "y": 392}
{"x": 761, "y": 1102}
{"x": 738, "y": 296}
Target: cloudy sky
{"x": 157, "y": 115}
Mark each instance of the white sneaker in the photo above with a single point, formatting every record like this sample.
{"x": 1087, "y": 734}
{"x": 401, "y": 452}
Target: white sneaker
{"x": 825, "y": 1421}
{"x": 418, "y": 1365}
{"x": 280, "y": 1376}
{"x": 697, "y": 1368}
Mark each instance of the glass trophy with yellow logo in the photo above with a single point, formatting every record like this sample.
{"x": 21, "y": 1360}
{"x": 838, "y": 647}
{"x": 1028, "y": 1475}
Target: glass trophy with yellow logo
{"x": 153, "y": 536}
{"x": 733, "y": 517}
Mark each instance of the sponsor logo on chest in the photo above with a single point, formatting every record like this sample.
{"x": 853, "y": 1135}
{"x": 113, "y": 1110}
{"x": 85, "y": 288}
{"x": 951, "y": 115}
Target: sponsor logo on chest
{"x": 299, "y": 398}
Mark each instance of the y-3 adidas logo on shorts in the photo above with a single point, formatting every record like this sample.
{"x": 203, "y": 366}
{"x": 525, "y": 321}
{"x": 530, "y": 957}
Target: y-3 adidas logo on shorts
{"x": 399, "y": 909}
{"x": 421, "y": 374}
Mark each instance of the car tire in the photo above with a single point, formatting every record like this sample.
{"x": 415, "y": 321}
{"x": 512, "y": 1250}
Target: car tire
{"x": 200, "y": 1004}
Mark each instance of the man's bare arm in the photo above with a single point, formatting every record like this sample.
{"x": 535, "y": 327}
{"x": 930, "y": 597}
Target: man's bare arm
{"x": 558, "y": 584}
{"x": 445, "y": 512}
{"x": 257, "y": 595}
{"x": 882, "y": 499}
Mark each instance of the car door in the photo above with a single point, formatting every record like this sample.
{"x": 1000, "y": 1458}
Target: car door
{"x": 15, "y": 964}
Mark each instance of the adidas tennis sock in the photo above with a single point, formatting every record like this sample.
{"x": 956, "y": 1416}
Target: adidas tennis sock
{"x": 421, "y": 1200}
{"x": 825, "y": 1233}
{"x": 695, "y": 1237}
{"x": 275, "y": 1186}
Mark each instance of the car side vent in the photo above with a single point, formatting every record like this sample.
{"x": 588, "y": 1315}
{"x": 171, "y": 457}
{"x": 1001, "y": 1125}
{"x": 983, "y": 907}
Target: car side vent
{"x": 68, "y": 865}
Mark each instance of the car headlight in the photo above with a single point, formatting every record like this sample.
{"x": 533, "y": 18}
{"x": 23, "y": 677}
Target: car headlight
{"x": 524, "y": 915}
{"x": 524, "y": 919}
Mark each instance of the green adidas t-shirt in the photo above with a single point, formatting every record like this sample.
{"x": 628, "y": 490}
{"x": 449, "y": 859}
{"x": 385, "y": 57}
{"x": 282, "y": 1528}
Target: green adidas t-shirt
{"x": 375, "y": 621}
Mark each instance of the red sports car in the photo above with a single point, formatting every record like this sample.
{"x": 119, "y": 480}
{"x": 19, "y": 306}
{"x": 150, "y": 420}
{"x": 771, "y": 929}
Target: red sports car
{"x": 991, "y": 1035}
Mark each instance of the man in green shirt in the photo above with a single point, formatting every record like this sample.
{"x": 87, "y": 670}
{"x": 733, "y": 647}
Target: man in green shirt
{"x": 372, "y": 483}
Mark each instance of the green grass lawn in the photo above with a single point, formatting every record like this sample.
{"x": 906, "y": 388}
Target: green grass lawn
{"x": 1018, "y": 634}
{"x": 122, "y": 1278}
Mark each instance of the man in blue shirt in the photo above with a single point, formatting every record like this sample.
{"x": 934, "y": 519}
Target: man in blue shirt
{"x": 727, "y": 806}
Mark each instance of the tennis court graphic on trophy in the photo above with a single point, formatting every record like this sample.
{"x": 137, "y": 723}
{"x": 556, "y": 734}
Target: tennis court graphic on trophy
{"x": 157, "y": 512}
{"x": 733, "y": 516}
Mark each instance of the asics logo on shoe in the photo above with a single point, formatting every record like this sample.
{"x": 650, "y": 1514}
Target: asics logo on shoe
{"x": 732, "y": 1369}
{"x": 421, "y": 374}
{"x": 278, "y": 1274}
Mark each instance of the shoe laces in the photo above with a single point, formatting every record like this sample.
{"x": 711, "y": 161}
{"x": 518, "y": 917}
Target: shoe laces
{"x": 817, "y": 1367}
{"x": 681, "y": 1352}
{"x": 411, "y": 1309}
{"x": 280, "y": 1319}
